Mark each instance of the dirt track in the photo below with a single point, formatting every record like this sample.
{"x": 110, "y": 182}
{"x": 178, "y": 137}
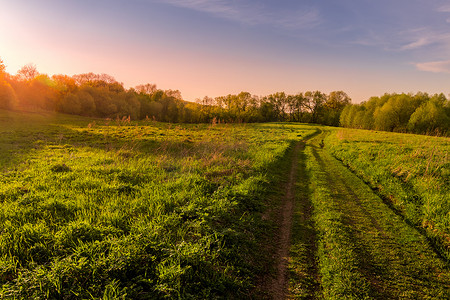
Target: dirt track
{"x": 278, "y": 287}
{"x": 393, "y": 259}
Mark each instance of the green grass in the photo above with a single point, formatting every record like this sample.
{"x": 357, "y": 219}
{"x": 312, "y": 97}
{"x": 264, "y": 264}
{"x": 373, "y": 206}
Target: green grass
{"x": 411, "y": 172}
{"x": 112, "y": 209}
{"x": 140, "y": 210}
{"x": 340, "y": 275}
{"x": 364, "y": 249}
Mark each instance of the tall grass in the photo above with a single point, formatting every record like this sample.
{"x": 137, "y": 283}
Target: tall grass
{"x": 136, "y": 210}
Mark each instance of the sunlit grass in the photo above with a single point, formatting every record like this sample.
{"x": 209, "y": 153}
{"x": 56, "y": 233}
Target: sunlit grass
{"x": 143, "y": 209}
{"x": 410, "y": 171}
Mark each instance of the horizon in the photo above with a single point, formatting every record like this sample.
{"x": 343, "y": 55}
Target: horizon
{"x": 214, "y": 48}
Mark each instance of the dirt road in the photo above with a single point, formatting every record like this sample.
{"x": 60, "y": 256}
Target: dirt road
{"x": 337, "y": 239}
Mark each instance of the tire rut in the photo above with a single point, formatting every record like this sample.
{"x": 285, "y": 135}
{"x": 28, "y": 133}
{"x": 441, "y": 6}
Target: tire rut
{"x": 279, "y": 284}
{"x": 354, "y": 213}
{"x": 387, "y": 250}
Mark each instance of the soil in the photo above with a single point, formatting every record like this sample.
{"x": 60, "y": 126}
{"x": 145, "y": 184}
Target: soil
{"x": 279, "y": 285}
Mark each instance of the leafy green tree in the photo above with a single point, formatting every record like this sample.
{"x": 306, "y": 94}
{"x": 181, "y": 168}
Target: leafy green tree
{"x": 430, "y": 117}
{"x": 333, "y": 106}
{"x": 296, "y": 106}
{"x": 70, "y": 104}
{"x": 314, "y": 103}
{"x": 279, "y": 105}
{"x": 337, "y": 100}
{"x": 344, "y": 118}
{"x": 395, "y": 113}
{"x": 267, "y": 111}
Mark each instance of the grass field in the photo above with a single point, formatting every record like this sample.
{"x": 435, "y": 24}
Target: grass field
{"x": 113, "y": 209}
{"x": 95, "y": 208}
{"x": 411, "y": 172}
{"x": 364, "y": 249}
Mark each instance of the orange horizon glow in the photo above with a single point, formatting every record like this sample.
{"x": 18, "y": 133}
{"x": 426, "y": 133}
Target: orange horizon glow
{"x": 153, "y": 53}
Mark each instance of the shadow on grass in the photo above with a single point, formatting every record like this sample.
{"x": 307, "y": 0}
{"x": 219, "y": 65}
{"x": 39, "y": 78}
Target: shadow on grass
{"x": 303, "y": 267}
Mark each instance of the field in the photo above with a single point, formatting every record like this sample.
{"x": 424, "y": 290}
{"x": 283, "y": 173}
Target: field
{"x": 364, "y": 247}
{"x": 94, "y": 208}
{"x": 113, "y": 209}
{"x": 410, "y": 172}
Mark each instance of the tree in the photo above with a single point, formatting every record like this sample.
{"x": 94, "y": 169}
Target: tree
{"x": 70, "y": 104}
{"x": 267, "y": 111}
{"x": 174, "y": 94}
{"x": 43, "y": 94}
{"x": 314, "y": 103}
{"x": 395, "y": 113}
{"x": 2, "y": 68}
{"x": 27, "y": 72}
{"x": 87, "y": 102}
{"x": 296, "y": 104}
{"x": 337, "y": 100}
{"x": 146, "y": 88}
{"x": 429, "y": 117}
{"x": 8, "y": 97}
{"x": 64, "y": 85}
{"x": 279, "y": 103}
{"x": 333, "y": 106}
{"x": 349, "y": 115}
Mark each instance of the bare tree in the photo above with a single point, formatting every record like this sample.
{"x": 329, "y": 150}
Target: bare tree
{"x": 148, "y": 88}
{"x": 27, "y": 72}
{"x": 2, "y": 67}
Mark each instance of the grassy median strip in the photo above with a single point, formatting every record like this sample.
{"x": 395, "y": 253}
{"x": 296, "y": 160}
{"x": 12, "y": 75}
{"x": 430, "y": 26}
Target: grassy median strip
{"x": 410, "y": 172}
{"x": 338, "y": 265}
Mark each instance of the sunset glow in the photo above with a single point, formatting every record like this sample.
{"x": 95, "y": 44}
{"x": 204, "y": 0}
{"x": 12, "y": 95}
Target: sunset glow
{"x": 220, "y": 47}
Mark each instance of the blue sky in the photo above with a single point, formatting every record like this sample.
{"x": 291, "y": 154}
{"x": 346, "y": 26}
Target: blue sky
{"x": 218, "y": 47}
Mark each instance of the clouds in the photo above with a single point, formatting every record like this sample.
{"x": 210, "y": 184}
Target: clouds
{"x": 253, "y": 13}
{"x": 215, "y": 7}
{"x": 416, "y": 43}
{"x": 444, "y": 8}
{"x": 422, "y": 37}
{"x": 435, "y": 66}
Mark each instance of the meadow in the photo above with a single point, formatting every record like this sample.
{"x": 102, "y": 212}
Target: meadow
{"x": 410, "y": 172}
{"x": 119, "y": 209}
{"x": 95, "y": 208}
{"x": 363, "y": 246}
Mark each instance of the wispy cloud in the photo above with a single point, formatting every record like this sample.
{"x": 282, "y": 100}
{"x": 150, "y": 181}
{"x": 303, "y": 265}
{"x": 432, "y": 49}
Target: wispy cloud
{"x": 216, "y": 7}
{"x": 251, "y": 13}
{"x": 417, "y": 43}
{"x": 406, "y": 40}
{"x": 299, "y": 19}
{"x": 444, "y": 8}
{"x": 435, "y": 66}
{"x": 414, "y": 39}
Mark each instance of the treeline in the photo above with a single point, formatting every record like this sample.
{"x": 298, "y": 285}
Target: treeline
{"x": 311, "y": 107}
{"x": 415, "y": 113}
{"x": 95, "y": 95}
{"x": 91, "y": 95}
{"x": 100, "y": 95}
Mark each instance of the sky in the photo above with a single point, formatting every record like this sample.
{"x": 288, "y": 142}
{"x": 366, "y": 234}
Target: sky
{"x": 218, "y": 47}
